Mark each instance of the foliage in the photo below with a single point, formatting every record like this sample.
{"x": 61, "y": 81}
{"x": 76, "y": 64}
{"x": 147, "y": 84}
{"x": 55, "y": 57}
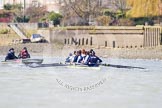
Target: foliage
{"x": 12, "y": 7}
{"x": 4, "y": 31}
{"x": 115, "y": 15}
{"x": 55, "y": 17}
{"x": 135, "y": 12}
{"x": 7, "y": 6}
{"x": 104, "y": 20}
{"x": 109, "y": 13}
{"x": 22, "y": 19}
{"x": 17, "y": 6}
{"x": 120, "y": 8}
{"x": 43, "y": 19}
{"x": 143, "y": 20}
{"x": 120, "y": 14}
{"x": 126, "y": 22}
{"x": 143, "y": 8}
{"x": 12, "y": 11}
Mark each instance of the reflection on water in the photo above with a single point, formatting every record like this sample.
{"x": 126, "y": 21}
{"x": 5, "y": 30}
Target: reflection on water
{"x": 46, "y": 87}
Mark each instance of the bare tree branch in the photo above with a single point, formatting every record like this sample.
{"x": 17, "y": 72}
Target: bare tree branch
{"x": 82, "y": 8}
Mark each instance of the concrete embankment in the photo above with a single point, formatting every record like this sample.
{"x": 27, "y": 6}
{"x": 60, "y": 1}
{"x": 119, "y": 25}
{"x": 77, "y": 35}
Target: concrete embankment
{"x": 51, "y": 50}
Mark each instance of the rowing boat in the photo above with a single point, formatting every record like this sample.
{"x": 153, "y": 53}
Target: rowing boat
{"x": 82, "y": 66}
{"x": 47, "y": 65}
{"x": 24, "y": 61}
{"x": 78, "y": 66}
{"x": 17, "y": 61}
{"x": 31, "y": 61}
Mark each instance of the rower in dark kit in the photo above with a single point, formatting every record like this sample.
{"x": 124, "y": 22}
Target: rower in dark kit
{"x": 93, "y": 60}
{"x": 11, "y": 55}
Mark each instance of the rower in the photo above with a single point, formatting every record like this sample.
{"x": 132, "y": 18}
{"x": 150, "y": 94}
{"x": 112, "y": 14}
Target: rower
{"x": 69, "y": 59}
{"x": 83, "y": 53}
{"x": 24, "y": 53}
{"x": 75, "y": 57}
{"x": 11, "y": 55}
{"x": 93, "y": 60}
{"x": 86, "y": 58}
{"x": 80, "y": 58}
{"x": 91, "y": 51}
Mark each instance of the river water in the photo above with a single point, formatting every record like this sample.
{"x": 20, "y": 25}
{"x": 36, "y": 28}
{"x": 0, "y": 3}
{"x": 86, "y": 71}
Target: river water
{"x": 124, "y": 84}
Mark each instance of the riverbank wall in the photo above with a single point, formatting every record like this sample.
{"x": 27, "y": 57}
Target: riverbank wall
{"x": 107, "y": 36}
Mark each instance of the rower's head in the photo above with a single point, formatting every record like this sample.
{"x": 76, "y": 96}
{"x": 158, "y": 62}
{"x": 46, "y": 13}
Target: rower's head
{"x": 11, "y": 49}
{"x": 79, "y": 52}
{"x": 25, "y": 48}
{"x": 91, "y": 50}
{"x": 70, "y": 54}
{"x": 83, "y": 51}
{"x": 75, "y": 52}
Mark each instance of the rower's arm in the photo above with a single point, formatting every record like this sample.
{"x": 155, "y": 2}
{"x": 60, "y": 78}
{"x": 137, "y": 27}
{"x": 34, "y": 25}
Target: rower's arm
{"x": 99, "y": 60}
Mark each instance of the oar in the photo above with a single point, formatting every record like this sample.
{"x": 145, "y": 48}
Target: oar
{"x": 3, "y": 61}
{"x": 105, "y": 64}
{"x": 121, "y": 66}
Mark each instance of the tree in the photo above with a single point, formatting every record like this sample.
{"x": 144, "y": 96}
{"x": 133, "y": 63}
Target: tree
{"x": 120, "y": 4}
{"x": 7, "y": 6}
{"x": 18, "y": 14}
{"x": 116, "y": 10}
{"x": 121, "y": 7}
{"x": 15, "y": 11}
{"x": 35, "y": 13}
{"x": 55, "y": 17}
{"x": 104, "y": 20}
{"x": 22, "y": 19}
{"x": 143, "y": 8}
{"x": 85, "y": 10}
